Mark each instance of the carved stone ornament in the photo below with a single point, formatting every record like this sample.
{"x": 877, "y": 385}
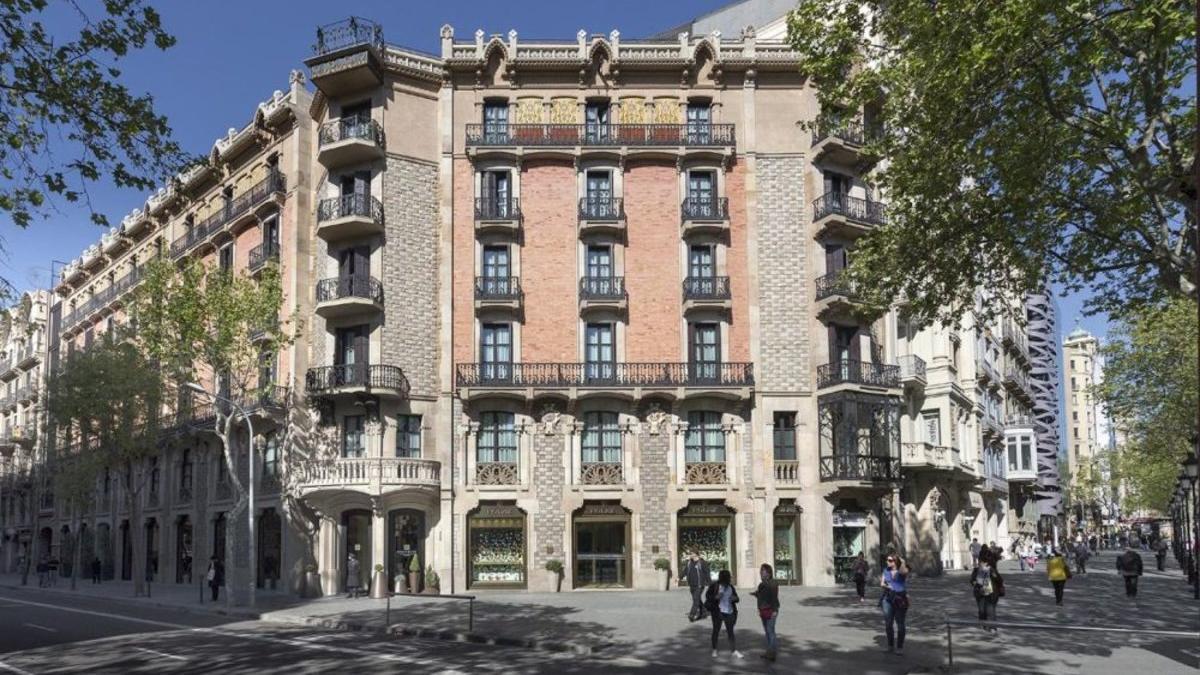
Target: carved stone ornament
{"x": 655, "y": 419}
{"x": 601, "y": 473}
{"x": 496, "y": 473}
{"x": 706, "y": 473}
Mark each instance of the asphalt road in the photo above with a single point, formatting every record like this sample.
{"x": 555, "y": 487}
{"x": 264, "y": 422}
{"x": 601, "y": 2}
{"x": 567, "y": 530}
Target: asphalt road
{"x": 47, "y": 633}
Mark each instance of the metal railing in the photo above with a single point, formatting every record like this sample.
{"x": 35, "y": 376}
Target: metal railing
{"x": 351, "y": 286}
{"x": 699, "y": 208}
{"x": 351, "y": 128}
{"x": 851, "y": 131}
{"x": 911, "y": 367}
{"x": 602, "y": 288}
{"x": 348, "y": 33}
{"x": 324, "y": 379}
{"x": 853, "y": 208}
{"x": 493, "y": 208}
{"x": 611, "y": 374}
{"x": 860, "y": 467}
{"x": 259, "y": 255}
{"x": 259, "y": 192}
{"x": 601, "y": 208}
{"x": 102, "y": 298}
{"x": 706, "y": 288}
{"x": 835, "y": 283}
{"x": 637, "y": 135}
{"x": 858, "y": 372}
{"x": 498, "y": 288}
{"x": 351, "y": 205}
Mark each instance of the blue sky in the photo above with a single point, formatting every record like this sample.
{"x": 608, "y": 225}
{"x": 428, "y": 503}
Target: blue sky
{"x": 230, "y": 57}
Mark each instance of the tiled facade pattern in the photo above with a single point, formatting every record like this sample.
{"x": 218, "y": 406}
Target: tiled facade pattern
{"x": 784, "y": 274}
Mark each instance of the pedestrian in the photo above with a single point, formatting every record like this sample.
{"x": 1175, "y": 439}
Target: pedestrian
{"x": 96, "y": 570}
{"x": 768, "y": 608}
{"x": 894, "y": 601}
{"x": 353, "y": 572}
{"x": 698, "y": 578}
{"x": 988, "y": 554}
{"x": 988, "y": 587}
{"x": 1031, "y": 558}
{"x": 43, "y": 570}
{"x": 976, "y": 547}
{"x": 1058, "y": 571}
{"x": 1019, "y": 553}
{"x": 215, "y": 576}
{"x": 860, "y": 570}
{"x": 721, "y": 600}
{"x": 1160, "y": 554}
{"x": 1129, "y": 566}
{"x": 997, "y": 553}
{"x": 1082, "y": 553}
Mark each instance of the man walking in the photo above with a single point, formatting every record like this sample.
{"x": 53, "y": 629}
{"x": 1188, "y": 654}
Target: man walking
{"x": 1082, "y": 553}
{"x": 1160, "y": 554}
{"x": 95, "y": 570}
{"x": 975, "y": 548}
{"x": 1129, "y": 565}
{"x": 698, "y": 579}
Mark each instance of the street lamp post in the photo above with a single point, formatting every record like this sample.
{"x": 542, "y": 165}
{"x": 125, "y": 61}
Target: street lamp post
{"x": 253, "y": 566}
{"x": 1191, "y": 471}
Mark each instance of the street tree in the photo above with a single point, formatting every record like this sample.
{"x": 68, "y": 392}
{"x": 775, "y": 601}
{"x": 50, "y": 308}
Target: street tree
{"x": 67, "y": 118}
{"x": 107, "y": 411}
{"x": 204, "y": 324}
{"x": 1152, "y": 390}
{"x": 1022, "y": 143}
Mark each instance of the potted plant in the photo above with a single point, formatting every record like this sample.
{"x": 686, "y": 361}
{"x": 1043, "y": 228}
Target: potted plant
{"x": 433, "y": 583}
{"x": 400, "y": 583}
{"x": 555, "y": 568}
{"x": 312, "y": 582}
{"x": 664, "y": 569}
{"x": 378, "y": 583}
{"x": 414, "y": 574}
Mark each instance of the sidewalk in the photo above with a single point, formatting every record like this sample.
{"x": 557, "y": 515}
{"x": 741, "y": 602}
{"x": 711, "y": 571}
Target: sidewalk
{"x": 820, "y": 629}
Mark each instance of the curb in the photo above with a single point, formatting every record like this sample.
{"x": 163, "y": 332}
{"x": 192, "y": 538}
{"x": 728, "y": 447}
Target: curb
{"x": 147, "y": 602}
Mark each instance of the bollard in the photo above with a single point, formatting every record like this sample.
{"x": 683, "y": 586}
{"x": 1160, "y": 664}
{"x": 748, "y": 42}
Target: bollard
{"x": 387, "y": 614}
{"x": 471, "y": 615}
{"x": 949, "y": 648}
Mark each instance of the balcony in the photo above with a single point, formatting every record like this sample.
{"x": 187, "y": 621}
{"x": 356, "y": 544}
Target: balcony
{"x": 376, "y": 379}
{"x": 860, "y": 468}
{"x": 787, "y": 471}
{"x": 349, "y": 141}
{"x": 706, "y": 293}
{"x": 270, "y": 398}
{"x": 268, "y": 191}
{"x": 729, "y": 380}
{"x": 347, "y": 57}
{"x": 930, "y": 457}
{"x": 678, "y": 136}
{"x": 836, "y": 295}
{"x": 841, "y": 141}
{"x": 371, "y": 475}
{"x": 8, "y": 369}
{"x": 28, "y": 356}
{"x": 603, "y": 293}
{"x": 1015, "y": 422}
{"x": 601, "y": 215}
{"x": 837, "y": 214}
{"x": 497, "y": 473}
{"x": 863, "y": 373}
{"x": 497, "y": 215}
{"x": 349, "y": 217}
{"x": 262, "y": 254}
{"x": 601, "y": 473}
{"x": 706, "y": 473}
{"x": 1017, "y": 382}
{"x": 498, "y": 293}
{"x": 709, "y": 215}
{"x": 1021, "y": 475}
{"x": 912, "y": 370}
{"x": 349, "y": 296}
{"x": 986, "y": 373}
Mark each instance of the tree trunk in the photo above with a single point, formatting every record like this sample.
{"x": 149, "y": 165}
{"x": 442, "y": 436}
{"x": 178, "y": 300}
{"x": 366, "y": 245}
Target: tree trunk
{"x": 224, "y": 429}
{"x": 137, "y": 545}
{"x": 76, "y": 550}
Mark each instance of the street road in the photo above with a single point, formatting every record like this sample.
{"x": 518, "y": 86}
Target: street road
{"x": 47, "y": 633}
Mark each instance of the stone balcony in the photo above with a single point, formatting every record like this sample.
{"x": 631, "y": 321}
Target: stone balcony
{"x": 930, "y": 457}
{"x": 787, "y": 472}
{"x": 912, "y": 371}
{"x": 601, "y": 215}
{"x": 371, "y": 475}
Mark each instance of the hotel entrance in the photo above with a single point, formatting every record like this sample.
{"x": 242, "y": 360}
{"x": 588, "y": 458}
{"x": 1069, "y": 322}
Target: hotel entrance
{"x": 601, "y": 538}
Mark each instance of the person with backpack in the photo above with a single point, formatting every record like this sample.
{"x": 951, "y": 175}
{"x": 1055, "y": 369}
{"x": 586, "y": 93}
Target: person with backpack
{"x": 1160, "y": 554}
{"x": 1129, "y": 566}
{"x": 721, "y": 601}
{"x": 215, "y": 576}
{"x": 988, "y": 587}
{"x": 894, "y": 602}
{"x": 860, "y": 570}
{"x": 698, "y": 579}
{"x": 1058, "y": 572}
{"x": 768, "y": 608}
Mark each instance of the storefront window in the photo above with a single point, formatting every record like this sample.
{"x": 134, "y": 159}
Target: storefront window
{"x": 849, "y": 535}
{"x": 786, "y": 544}
{"x": 601, "y": 545}
{"x": 497, "y": 546}
{"x": 708, "y": 528}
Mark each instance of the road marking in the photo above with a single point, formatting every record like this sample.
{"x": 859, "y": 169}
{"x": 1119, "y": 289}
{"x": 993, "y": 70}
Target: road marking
{"x": 162, "y": 654}
{"x": 13, "y": 669}
{"x": 48, "y": 630}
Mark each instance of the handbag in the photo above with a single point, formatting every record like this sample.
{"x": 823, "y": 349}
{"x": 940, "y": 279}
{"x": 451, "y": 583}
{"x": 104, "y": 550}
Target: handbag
{"x": 900, "y": 600}
{"x": 766, "y": 612}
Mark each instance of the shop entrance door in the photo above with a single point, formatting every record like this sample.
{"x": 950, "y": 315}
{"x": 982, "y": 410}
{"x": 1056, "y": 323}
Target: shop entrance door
{"x": 849, "y": 539}
{"x": 406, "y": 540}
{"x": 601, "y": 553}
{"x": 357, "y": 525}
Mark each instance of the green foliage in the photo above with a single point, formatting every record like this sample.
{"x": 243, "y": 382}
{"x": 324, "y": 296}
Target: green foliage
{"x": 662, "y": 564}
{"x": 555, "y": 566}
{"x": 432, "y": 580}
{"x": 414, "y": 564}
{"x": 1025, "y": 142}
{"x": 66, "y": 119}
{"x": 1150, "y": 387}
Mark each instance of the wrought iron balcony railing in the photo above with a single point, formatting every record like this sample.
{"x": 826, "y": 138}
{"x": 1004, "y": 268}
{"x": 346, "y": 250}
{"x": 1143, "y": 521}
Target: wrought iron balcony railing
{"x": 348, "y": 33}
{"x": 327, "y": 379}
{"x": 258, "y": 193}
{"x": 493, "y": 208}
{"x": 706, "y": 288}
{"x": 851, "y": 371}
{"x": 352, "y": 286}
{"x": 635, "y": 135}
{"x": 351, "y": 129}
{"x": 870, "y": 468}
{"x": 853, "y": 208}
{"x": 851, "y": 131}
{"x": 606, "y": 374}
{"x": 602, "y": 288}
{"x": 498, "y": 288}
{"x": 259, "y": 255}
{"x": 835, "y": 283}
{"x": 601, "y": 208}
{"x": 351, "y": 205}
{"x": 705, "y": 208}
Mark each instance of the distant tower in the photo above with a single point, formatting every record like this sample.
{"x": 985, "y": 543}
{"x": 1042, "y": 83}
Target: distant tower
{"x": 1045, "y": 376}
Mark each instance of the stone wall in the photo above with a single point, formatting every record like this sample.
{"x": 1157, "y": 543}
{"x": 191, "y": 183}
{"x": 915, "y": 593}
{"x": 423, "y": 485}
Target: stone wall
{"x": 655, "y": 476}
{"x": 785, "y": 275}
{"x": 549, "y": 521}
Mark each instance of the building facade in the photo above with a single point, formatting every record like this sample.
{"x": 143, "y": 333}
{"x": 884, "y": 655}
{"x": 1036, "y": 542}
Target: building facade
{"x": 1093, "y": 502}
{"x": 1046, "y": 378}
{"x": 569, "y": 300}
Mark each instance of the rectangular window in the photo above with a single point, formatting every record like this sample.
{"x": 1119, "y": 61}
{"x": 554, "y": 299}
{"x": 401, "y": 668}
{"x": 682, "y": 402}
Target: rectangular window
{"x": 601, "y": 441}
{"x": 836, "y": 184}
{"x": 270, "y": 234}
{"x": 495, "y": 262}
{"x": 408, "y": 436}
{"x": 497, "y": 442}
{"x": 354, "y": 441}
{"x": 699, "y": 123}
{"x": 705, "y": 352}
{"x": 266, "y": 368}
{"x": 495, "y": 194}
{"x": 1026, "y": 453}
{"x": 225, "y": 258}
{"x": 350, "y": 346}
{"x": 354, "y": 261}
{"x": 702, "y": 193}
{"x": 932, "y": 427}
{"x": 599, "y": 195}
{"x": 495, "y": 351}
{"x": 600, "y": 351}
{"x": 702, "y": 261}
{"x": 596, "y": 119}
{"x": 785, "y": 436}
{"x": 705, "y": 440}
{"x": 270, "y": 458}
{"x": 495, "y": 122}
{"x": 1011, "y": 443}
{"x": 357, "y": 183}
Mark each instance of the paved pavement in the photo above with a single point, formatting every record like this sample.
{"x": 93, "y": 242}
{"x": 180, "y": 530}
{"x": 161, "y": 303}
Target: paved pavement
{"x": 820, "y": 630}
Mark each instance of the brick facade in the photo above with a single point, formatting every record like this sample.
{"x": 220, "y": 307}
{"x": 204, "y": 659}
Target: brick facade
{"x": 784, "y": 275}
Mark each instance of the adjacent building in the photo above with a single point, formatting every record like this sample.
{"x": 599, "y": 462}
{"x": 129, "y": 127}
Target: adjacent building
{"x": 1088, "y": 439}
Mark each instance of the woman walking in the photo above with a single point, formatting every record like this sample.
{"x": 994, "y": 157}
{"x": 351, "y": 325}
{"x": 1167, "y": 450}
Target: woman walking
{"x": 721, "y": 601}
{"x": 860, "y": 570}
{"x": 894, "y": 602}
{"x": 768, "y": 608}
{"x": 988, "y": 587}
{"x": 1058, "y": 571}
